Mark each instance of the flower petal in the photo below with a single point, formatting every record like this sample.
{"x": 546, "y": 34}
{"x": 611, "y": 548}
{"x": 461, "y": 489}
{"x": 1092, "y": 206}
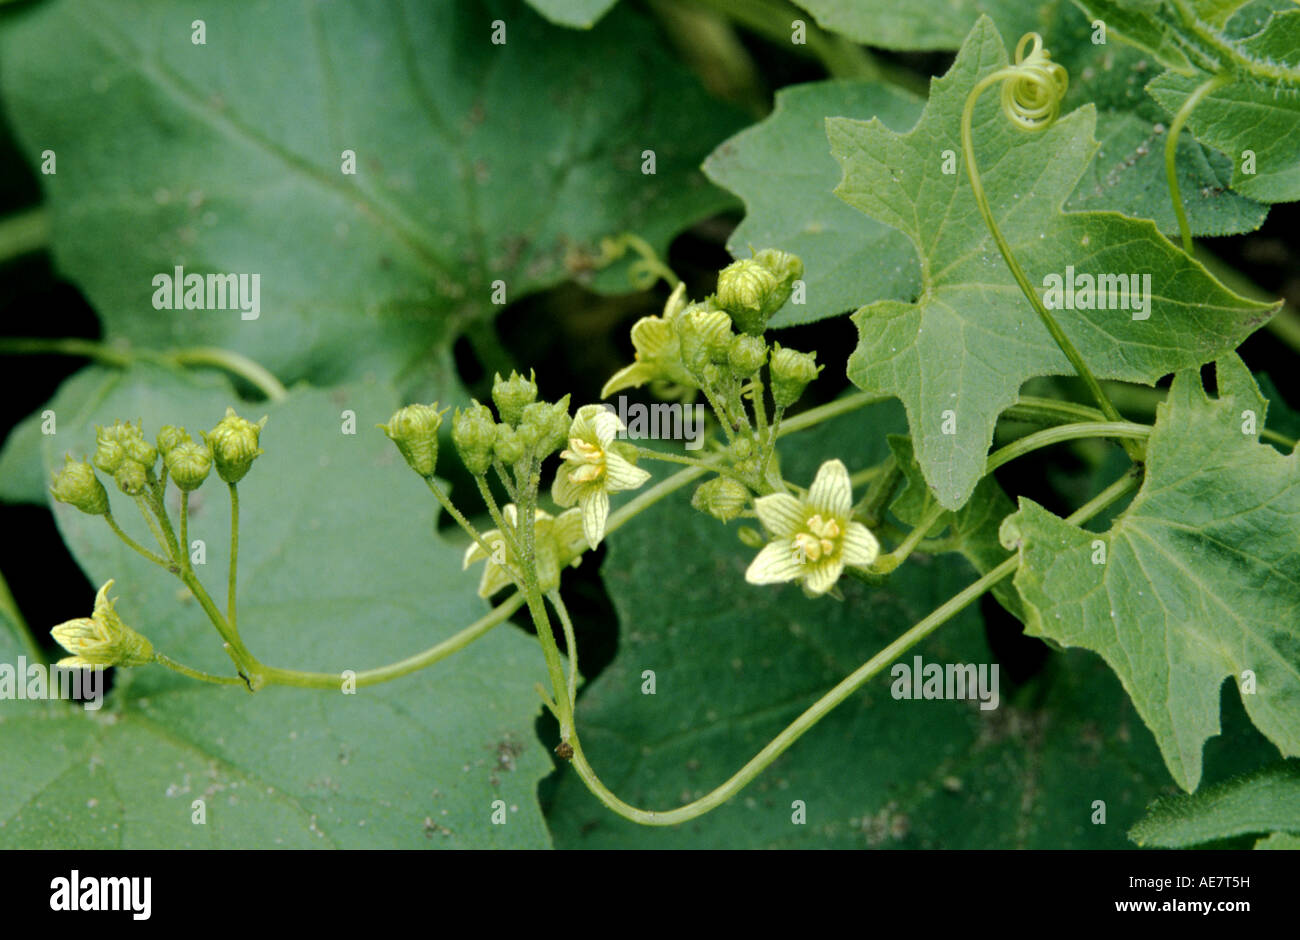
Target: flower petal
{"x": 653, "y": 338}
{"x": 831, "y": 491}
{"x": 775, "y": 564}
{"x": 606, "y": 425}
{"x": 621, "y": 474}
{"x": 564, "y": 491}
{"x": 858, "y": 547}
{"x": 781, "y": 513}
{"x": 595, "y": 510}
{"x": 494, "y": 579}
{"x": 638, "y": 373}
{"x": 822, "y": 576}
{"x": 567, "y": 532}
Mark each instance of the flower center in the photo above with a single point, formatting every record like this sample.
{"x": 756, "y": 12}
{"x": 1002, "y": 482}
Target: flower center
{"x": 591, "y": 456}
{"x": 820, "y": 538}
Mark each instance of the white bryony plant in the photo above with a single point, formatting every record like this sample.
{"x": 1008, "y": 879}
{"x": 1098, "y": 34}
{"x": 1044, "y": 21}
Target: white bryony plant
{"x": 555, "y": 538}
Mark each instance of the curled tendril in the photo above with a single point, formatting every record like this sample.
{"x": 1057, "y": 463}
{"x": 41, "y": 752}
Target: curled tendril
{"x": 1033, "y": 88}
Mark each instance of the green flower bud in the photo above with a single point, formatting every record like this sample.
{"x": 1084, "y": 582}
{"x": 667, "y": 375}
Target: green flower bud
{"x": 722, "y": 498}
{"x": 742, "y": 449}
{"x": 787, "y": 268}
{"x": 77, "y": 485}
{"x": 510, "y": 446}
{"x": 189, "y": 464}
{"x": 109, "y": 456}
{"x": 234, "y": 445}
{"x": 747, "y": 354}
{"x": 751, "y": 537}
{"x": 705, "y": 336}
{"x": 131, "y": 478}
{"x": 545, "y": 426}
{"x": 414, "y": 429}
{"x": 791, "y": 372}
{"x": 513, "y": 395}
{"x": 169, "y": 438}
{"x": 130, "y": 437}
{"x": 102, "y": 639}
{"x": 747, "y": 291}
{"x": 474, "y": 431}
{"x": 142, "y": 452}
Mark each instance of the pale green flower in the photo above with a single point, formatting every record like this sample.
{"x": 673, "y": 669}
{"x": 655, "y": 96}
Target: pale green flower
{"x": 813, "y": 537}
{"x": 102, "y": 639}
{"x": 658, "y": 353}
{"x": 592, "y": 469}
{"x": 556, "y": 543}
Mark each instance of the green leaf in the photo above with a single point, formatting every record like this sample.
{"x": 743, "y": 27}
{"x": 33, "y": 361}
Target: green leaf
{"x": 735, "y": 663}
{"x": 340, "y": 568}
{"x": 475, "y": 162}
{"x": 1245, "y": 116}
{"x": 974, "y": 527}
{"x": 1261, "y": 802}
{"x": 1128, "y": 173}
{"x": 1139, "y": 24}
{"x": 781, "y": 169}
{"x": 579, "y": 14}
{"x": 1280, "y": 840}
{"x": 1199, "y": 580}
{"x": 918, "y": 24}
{"x": 958, "y": 355}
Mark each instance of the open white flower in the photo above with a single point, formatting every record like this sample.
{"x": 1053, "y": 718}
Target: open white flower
{"x": 592, "y": 470}
{"x": 813, "y": 538}
{"x": 556, "y": 543}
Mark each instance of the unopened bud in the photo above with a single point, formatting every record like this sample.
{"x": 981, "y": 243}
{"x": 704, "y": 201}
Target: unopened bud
{"x": 474, "y": 431}
{"x": 722, "y": 498}
{"x": 414, "y": 429}
{"x": 169, "y": 438}
{"x": 77, "y": 485}
{"x": 512, "y": 395}
{"x": 189, "y": 464}
{"x": 791, "y": 372}
{"x": 747, "y": 290}
{"x": 234, "y": 445}
{"x": 747, "y": 354}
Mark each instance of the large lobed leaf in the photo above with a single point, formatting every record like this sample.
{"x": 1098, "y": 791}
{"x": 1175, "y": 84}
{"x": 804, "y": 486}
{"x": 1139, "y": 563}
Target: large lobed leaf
{"x": 1201, "y": 574}
{"x": 959, "y": 354}
{"x": 475, "y": 162}
{"x": 340, "y": 568}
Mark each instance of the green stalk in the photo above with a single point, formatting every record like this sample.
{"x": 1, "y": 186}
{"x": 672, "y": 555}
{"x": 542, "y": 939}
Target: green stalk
{"x": 824, "y": 705}
{"x": 1171, "y": 150}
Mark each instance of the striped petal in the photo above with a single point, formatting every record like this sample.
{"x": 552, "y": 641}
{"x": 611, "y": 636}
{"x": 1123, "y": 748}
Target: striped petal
{"x": 595, "y": 510}
{"x": 859, "y": 547}
{"x": 831, "y": 491}
{"x": 564, "y": 491}
{"x": 620, "y": 474}
{"x": 775, "y": 564}
{"x": 781, "y": 513}
{"x": 822, "y": 577}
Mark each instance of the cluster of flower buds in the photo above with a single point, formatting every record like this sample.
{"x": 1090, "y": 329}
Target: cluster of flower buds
{"x": 122, "y": 453}
{"x": 528, "y": 430}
